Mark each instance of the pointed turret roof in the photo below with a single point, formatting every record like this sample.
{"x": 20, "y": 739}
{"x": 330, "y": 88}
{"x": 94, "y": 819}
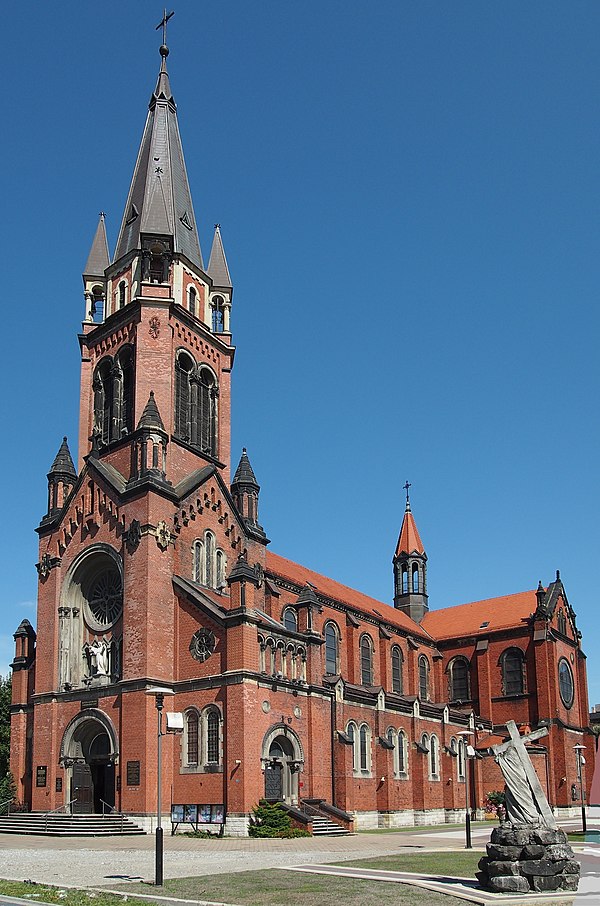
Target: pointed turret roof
{"x": 409, "y": 539}
{"x": 244, "y": 474}
{"x": 98, "y": 258}
{"x": 151, "y": 416}
{"x": 63, "y": 462}
{"x": 217, "y": 266}
{"x": 159, "y": 200}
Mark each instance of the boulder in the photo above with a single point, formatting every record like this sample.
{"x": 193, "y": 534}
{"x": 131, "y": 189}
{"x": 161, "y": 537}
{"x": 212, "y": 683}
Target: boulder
{"x": 499, "y": 853}
{"x": 543, "y": 867}
{"x": 509, "y": 884}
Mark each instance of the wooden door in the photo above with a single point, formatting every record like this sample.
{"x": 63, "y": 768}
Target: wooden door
{"x": 82, "y": 790}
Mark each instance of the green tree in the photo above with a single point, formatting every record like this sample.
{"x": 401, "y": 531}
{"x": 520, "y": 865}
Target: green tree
{"x": 7, "y": 784}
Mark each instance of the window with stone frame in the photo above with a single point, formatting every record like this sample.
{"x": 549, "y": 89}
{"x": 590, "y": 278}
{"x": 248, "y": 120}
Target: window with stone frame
{"x": 352, "y": 734}
{"x": 434, "y": 758}
{"x": 191, "y": 738}
{"x": 331, "y": 648}
{"x": 366, "y": 660}
{"x": 208, "y": 562}
{"x": 364, "y": 748}
{"x": 196, "y": 394}
{"x": 113, "y": 386}
{"x": 397, "y": 679}
{"x": 458, "y": 676}
{"x": 512, "y": 663}
{"x": 212, "y": 724}
{"x": 192, "y": 301}
{"x": 423, "y": 678}
{"x": 218, "y": 314}
{"x": 290, "y": 619}
{"x": 461, "y": 760}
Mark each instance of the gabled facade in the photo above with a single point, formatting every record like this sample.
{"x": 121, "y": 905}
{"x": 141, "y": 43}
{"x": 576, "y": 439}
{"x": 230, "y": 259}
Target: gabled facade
{"x": 154, "y": 569}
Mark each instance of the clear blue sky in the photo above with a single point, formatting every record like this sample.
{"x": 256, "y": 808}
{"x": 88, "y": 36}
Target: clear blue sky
{"x": 408, "y": 195}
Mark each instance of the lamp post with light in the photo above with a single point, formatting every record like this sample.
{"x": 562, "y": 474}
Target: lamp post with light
{"x": 579, "y": 749}
{"x": 159, "y": 693}
{"x": 469, "y": 753}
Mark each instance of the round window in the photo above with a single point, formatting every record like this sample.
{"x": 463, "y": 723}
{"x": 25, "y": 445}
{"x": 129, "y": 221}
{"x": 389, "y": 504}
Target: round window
{"x": 202, "y": 644}
{"x": 106, "y": 597}
{"x": 565, "y": 682}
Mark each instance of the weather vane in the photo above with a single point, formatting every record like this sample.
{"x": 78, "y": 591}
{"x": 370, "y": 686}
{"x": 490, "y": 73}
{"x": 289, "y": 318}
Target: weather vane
{"x": 163, "y": 24}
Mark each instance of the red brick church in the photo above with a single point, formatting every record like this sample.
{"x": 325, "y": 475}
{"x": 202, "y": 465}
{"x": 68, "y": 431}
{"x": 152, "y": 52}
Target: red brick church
{"x": 154, "y": 571}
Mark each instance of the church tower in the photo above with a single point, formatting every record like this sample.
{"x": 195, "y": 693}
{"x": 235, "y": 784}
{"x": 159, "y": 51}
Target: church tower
{"x": 410, "y": 568}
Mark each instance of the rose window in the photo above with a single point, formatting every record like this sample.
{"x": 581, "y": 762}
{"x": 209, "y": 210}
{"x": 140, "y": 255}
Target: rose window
{"x": 105, "y": 598}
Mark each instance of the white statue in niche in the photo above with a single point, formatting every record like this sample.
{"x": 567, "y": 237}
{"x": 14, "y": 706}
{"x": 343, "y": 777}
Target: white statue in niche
{"x": 97, "y": 656}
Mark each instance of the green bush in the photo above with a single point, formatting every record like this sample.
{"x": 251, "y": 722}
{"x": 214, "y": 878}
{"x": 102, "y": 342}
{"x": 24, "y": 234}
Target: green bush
{"x": 268, "y": 819}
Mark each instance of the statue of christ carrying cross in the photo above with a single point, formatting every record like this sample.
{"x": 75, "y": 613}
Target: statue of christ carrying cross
{"x": 525, "y": 801}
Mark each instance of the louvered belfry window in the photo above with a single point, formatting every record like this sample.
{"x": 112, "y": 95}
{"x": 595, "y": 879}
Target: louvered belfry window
{"x": 195, "y": 404}
{"x": 184, "y": 366}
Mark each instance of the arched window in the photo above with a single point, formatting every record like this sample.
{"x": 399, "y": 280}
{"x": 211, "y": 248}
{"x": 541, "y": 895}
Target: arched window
{"x": 434, "y": 758}
{"x": 122, "y": 294}
{"x": 366, "y": 660}
{"x": 206, "y": 412}
{"x": 562, "y": 623}
{"x": 352, "y": 734}
{"x": 113, "y": 396}
{"x": 331, "y": 648}
{"x": 566, "y": 685}
{"x": 197, "y": 561}
{"x": 423, "y": 678}
{"x": 213, "y": 725}
{"x": 458, "y": 671}
{"x": 209, "y": 556}
{"x": 218, "y": 314}
{"x": 184, "y": 370}
{"x": 396, "y": 669}
{"x": 103, "y": 400}
{"x": 415, "y": 578}
{"x": 192, "y": 301}
{"x": 402, "y": 753}
{"x": 404, "y": 579}
{"x": 290, "y": 619}
{"x": 157, "y": 267}
{"x": 365, "y": 748}
{"x": 191, "y": 739}
{"x": 196, "y": 395}
{"x": 512, "y": 663}
{"x": 221, "y": 569}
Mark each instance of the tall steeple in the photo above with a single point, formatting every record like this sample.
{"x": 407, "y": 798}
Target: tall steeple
{"x": 410, "y": 568}
{"x": 94, "y": 274}
{"x": 217, "y": 265}
{"x": 159, "y": 203}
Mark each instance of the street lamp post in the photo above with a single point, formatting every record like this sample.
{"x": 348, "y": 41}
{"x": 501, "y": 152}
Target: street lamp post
{"x": 159, "y": 700}
{"x": 465, "y": 734}
{"x": 579, "y": 749}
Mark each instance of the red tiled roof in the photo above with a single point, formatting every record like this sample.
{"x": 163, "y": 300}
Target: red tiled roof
{"x": 467, "y": 619}
{"x": 300, "y": 575}
{"x": 409, "y": 539}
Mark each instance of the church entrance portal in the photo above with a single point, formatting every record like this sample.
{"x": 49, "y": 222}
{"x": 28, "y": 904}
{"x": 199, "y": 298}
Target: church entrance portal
{"x": 92, "y": 759}
{"x": 281, "y": 772}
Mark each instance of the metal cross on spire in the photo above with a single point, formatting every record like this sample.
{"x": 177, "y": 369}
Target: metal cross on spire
{"x": 163, "y": 24}
{"x": 406, "y": 487}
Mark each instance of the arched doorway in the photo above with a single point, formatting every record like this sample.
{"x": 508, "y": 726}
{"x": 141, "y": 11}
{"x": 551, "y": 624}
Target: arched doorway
{"x": 282, "y": 759}
{"x": 89, "y": 751}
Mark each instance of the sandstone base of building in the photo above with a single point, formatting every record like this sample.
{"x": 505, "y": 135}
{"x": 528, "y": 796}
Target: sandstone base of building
{"x": 522, "y": 859}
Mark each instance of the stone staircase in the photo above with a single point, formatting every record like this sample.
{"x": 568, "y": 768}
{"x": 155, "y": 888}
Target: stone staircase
{"x": 323, "y": 827}
{"x": 57, "y": 825}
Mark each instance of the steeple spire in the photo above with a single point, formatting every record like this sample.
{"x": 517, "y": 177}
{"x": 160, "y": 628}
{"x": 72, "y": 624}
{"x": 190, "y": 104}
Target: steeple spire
{"x": 61, "y": 478}
{"x": 159, "y": 201}
{"x": 217, "y": 265}
{"x": 410, "y": 568}
{"x": 98, "y": 258}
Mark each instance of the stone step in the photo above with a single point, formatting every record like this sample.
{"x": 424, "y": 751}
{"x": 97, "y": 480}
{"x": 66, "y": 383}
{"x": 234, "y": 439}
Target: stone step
{"x": 325, "y": 827}
{"x": 68, "y": 825}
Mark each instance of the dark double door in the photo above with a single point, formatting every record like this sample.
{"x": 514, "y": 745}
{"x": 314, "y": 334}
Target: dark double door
{"x": 92, "y": 787}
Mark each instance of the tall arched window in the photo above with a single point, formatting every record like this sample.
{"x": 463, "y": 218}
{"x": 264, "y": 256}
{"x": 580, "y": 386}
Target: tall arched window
{"x": 122, "y": 294}
{"x": 562, "y": 623}
{"x": 113, "y": 396}
{"x": 290, "y": 619}
{"x": 184, "y": 370}
{"x": 415, "y": 578}
{"x": 512, "y": 663}
{"x": 352, "y": 734}
{"x": 402, "y": 753}
{"x": 434, "y": 758}
{"x": 404, "y": 579}
{"x": 197, "y": 561}
{"x": 458, "y": 671}
{"x": 396, "y": 669}
{"x": 423, "y": 678}
{"x": 209, "y": 565}
{"x": 196, "y": 395}
{"x": 191, "y": 738}
{"x": 221, "y": 567}
{"x": 213, "y": 724}
{"x": 208, "y": 562}
{"x": 103, "y": 400}
{"x": 331, "y": 648}
{"x": 192, "y": 301}
{"x": 364, "y": 740}
{"x": 218, "y": 314}
{"x": 366, "y": 660}
{"x": 461, "y": 759}
{"x": 207, "y": 412}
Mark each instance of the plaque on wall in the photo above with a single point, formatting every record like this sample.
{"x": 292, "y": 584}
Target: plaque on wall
{"x": 133, "y": 773}
{"x": 59, "y": 784}
{"x": 41, "y": 774}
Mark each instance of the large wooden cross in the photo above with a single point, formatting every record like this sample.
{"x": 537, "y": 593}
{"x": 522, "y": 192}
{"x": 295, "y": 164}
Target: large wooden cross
{"x": 517, "y": 742}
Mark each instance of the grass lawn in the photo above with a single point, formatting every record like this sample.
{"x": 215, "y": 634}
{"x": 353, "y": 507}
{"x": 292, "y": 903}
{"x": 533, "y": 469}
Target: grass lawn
{"x": 418, "y": 829}
{"x": 46, "y": 894}
{"x": 276, "y": 887}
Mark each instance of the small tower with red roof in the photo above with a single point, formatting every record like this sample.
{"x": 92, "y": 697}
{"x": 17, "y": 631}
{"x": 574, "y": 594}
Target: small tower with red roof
{"x": 410, "y": 568}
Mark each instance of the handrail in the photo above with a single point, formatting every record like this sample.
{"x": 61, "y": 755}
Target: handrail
{"x": 7, "y": 802}
{"x": 113, "y": 810}
{"x": 56, "y": 810}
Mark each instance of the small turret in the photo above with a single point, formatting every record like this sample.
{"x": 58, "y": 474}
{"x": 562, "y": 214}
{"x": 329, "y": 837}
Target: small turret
{"x": 410, "y": 568}
{"x": 150, "y": 443}
{"x": 94, "y": 279}
{"x": 245, "y": 490}
{"x": 222, "y": 291}
{"x": 61, "y": 478}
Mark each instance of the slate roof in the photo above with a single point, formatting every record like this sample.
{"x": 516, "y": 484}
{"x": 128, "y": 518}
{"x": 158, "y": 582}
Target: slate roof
{"x": 151, "y": 416}
{"x": 217, "y": 265}
{"x": 159, "y": 200}
{"x": 98, "y": 258}
{"x": 63, "y": 461}
{"x": 300, "y": 575}
{"x": 244, "y": 474}
{"x": 468, "y": 619}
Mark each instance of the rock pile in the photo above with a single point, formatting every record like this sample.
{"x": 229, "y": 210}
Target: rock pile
{"x": 525, "y": 857}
